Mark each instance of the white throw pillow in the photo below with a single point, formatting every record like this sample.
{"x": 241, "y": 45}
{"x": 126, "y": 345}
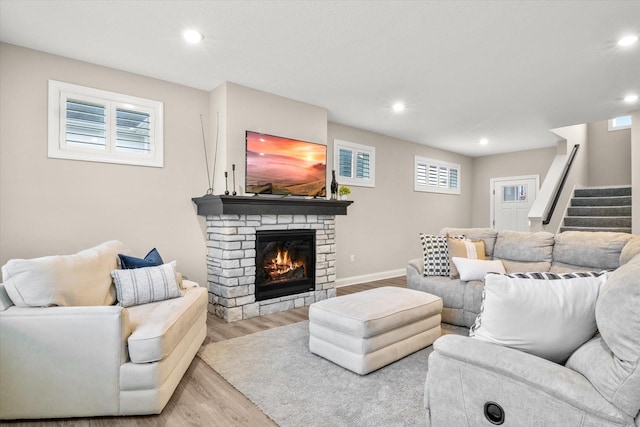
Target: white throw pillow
{"x": 144, "y": 285}
{"x": 476, "y": 269}
{"x": 545, "y": 314}
{"x": 82, "y": 279}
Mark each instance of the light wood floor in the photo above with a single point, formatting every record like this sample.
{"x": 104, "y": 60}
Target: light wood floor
{"x": 203, "y": 397}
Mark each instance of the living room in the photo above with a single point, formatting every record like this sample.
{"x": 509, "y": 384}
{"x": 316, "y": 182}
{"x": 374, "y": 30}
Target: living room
{"x": 58, "y": 206}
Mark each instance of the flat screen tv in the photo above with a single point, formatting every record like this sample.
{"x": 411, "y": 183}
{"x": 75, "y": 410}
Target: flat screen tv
{"x": 277, "y": 165}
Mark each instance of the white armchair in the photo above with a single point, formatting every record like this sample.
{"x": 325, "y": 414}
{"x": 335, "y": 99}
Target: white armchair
{"x": 98, "y": 360}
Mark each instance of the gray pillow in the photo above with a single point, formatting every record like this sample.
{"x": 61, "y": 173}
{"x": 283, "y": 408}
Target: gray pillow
{"x": 145, "y": 285}
{"x": 611, "y": 362}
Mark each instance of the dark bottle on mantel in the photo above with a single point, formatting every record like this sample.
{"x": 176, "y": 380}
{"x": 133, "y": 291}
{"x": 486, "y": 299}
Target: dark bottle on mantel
{"x": 334, "y": 186}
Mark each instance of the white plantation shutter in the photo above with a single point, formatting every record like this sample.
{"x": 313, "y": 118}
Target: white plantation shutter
{"x": 86, "y": 124}
{"x": 96, "y": 125}
{"x": 436, "y": 176}
{"x": 354, "y": 163}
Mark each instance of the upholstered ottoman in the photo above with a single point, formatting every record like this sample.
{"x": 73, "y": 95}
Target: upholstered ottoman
{"x": 367, "y": 330}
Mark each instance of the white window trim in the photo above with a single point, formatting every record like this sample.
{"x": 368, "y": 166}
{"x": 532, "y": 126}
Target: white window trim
{"x": 355, "y": 148}
{"x": 57, "y": 144}
{"x": 433, "y": 189}
{"x": 612, "y": 127}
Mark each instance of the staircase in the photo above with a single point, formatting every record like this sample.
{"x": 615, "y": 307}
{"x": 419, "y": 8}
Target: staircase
{"x": 599, "y": 209}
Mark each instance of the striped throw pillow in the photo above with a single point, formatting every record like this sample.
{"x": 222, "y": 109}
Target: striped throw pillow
{"x": 145, "y": 285}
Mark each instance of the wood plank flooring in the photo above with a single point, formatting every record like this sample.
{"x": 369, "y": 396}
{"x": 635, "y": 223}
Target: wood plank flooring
{"x": 203, "y": 397}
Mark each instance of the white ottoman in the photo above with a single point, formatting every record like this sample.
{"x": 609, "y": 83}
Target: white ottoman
{"x": 367, "y": 330}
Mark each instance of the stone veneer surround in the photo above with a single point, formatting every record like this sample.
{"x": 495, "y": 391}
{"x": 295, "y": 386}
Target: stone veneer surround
{"x": 231, "y": 267}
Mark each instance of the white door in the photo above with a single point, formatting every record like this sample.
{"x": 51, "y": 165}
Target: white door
{"x": 512, "y": 199}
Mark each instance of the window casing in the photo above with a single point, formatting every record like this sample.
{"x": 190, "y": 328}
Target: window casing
{"x": 435, "y": 176}
{"x": 619, "y": 123}
{"x": 96, "y": 125}
{"x": 355, "y": 164}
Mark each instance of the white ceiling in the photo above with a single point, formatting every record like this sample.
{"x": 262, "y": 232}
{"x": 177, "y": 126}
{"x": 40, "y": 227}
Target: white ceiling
{"x": 506, "y": 71}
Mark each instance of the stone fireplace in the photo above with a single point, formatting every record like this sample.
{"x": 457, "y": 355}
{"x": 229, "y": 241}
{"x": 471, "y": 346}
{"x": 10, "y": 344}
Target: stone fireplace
{"x": 248, "y": 272}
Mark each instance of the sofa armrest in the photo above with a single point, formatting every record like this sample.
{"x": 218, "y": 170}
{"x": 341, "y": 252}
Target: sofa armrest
{"x": 478, "y": 372}
{"x": 61, "y": 361}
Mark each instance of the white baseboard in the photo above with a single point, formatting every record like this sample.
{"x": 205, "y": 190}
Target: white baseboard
{"x": 354, "y": 280}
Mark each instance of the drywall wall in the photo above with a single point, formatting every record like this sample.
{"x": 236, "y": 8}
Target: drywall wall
{"x": 635, "y": 172}
{"x": 258, "y": 111}
{"x": 609, "y": 155}
{"x": 383, "y": 225}
{"x": 531, "y": 162}
{"x": 53, "y": 206}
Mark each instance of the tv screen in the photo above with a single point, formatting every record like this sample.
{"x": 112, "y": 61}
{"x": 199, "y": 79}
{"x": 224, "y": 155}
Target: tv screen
{"x": 277, "y": 165}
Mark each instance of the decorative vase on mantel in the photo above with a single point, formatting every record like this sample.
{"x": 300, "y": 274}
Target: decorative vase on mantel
{"x": 334, "y": 186}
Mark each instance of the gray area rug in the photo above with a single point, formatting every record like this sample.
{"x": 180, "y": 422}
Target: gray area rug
{"x": 294, "y": 387}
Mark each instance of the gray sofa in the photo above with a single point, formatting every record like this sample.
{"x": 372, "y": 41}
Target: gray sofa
{"x": 475, "y": 383}
{"x": 522, "y": 252}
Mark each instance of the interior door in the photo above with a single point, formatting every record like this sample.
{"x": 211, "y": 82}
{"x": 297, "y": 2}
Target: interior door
{"x": 512, "y": 200}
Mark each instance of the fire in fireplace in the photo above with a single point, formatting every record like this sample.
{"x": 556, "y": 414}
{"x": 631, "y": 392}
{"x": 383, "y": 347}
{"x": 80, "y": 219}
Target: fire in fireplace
{"x": 285, "y": 262}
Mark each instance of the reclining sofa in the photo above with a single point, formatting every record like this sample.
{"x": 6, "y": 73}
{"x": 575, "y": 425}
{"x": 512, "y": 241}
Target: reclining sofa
{"x": 473, "y": 382}
{"x": 66, "y": 349}
{"x": 521, "y": 252}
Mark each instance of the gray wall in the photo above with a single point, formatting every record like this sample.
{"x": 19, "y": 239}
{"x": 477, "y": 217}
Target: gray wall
{"x": 383, "y": 224}
{"x": 609, "y": 155}
{"x": 54, "y": 206}
{"x": 532, "y": 162}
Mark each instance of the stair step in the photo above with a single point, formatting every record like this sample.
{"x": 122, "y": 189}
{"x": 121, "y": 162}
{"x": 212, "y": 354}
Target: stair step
{"x": 599, "y": 211}
{"x": 597, "y": 221}
{"x": 602, "y": 191}
{"x": 607, "y": 229}
{"x": 601, "y": 201}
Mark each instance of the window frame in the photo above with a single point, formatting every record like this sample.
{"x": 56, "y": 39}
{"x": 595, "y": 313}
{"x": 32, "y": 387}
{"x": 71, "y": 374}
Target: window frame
{"x": 611, "y": 123}
{"x": 355, "y": 149}
{"x": 428, "y": 162}
{"x": 59, "y": 148}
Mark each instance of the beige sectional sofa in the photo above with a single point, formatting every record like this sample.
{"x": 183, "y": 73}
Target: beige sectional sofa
{"x": 522, "y": 252}
{"x": 90, "y": 357}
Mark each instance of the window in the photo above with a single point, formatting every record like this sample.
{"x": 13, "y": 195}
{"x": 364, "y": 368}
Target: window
{"x": 435, "y": 176}
{"x": 100, "y": 126}
{"x": 355, "y": 163}
{"x": 619, "y": 123}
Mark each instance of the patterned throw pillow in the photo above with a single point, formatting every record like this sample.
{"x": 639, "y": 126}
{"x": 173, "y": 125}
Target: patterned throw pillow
{"x": 463, "y": 248}
{"x": 436, "y": 255}
{"x": 145, "y": 285}
{"x": 546, "y": 314}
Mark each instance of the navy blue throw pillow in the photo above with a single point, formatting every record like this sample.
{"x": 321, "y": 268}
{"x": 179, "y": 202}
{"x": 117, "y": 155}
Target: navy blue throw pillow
{"x": 152, "y": 259}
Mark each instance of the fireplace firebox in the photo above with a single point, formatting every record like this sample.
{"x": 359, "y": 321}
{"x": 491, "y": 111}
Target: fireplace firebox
{"x": 285, "y": 262}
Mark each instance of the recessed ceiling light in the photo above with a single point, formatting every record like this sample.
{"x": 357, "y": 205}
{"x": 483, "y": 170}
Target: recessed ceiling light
{"x": 193, "y": 36}
{"x": 631, "y": 98}
{"x": 484, "y": 141}
{"x": 398, "y": 107}
{"x": 627, "y": 40}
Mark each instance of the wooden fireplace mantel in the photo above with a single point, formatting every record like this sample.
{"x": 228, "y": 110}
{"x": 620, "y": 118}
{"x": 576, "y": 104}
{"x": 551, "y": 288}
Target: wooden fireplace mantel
{"x": 269, "y": 205}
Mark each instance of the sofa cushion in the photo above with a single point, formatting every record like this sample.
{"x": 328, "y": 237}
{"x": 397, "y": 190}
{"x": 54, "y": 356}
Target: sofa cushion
{"x": 595, "y": 250}
{"x": 436, "y": 255}
{"x": 151, "y": 259}
{"x": 159, "y": 326}
{"x": 476, "y": 269}
{"x": 487, "y": 235}
{"x": 81, "y": 279}
{"x": 145, "y": 285}
{"x": 464, "y": 248}
{"x": 630, "y": 250}
{"x": 544, "y": 314}
{"x": 611, "y": 362}
{"x": 528, "y": 251}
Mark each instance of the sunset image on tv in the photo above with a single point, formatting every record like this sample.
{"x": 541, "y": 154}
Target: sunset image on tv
{"x": 277, "y": 165}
